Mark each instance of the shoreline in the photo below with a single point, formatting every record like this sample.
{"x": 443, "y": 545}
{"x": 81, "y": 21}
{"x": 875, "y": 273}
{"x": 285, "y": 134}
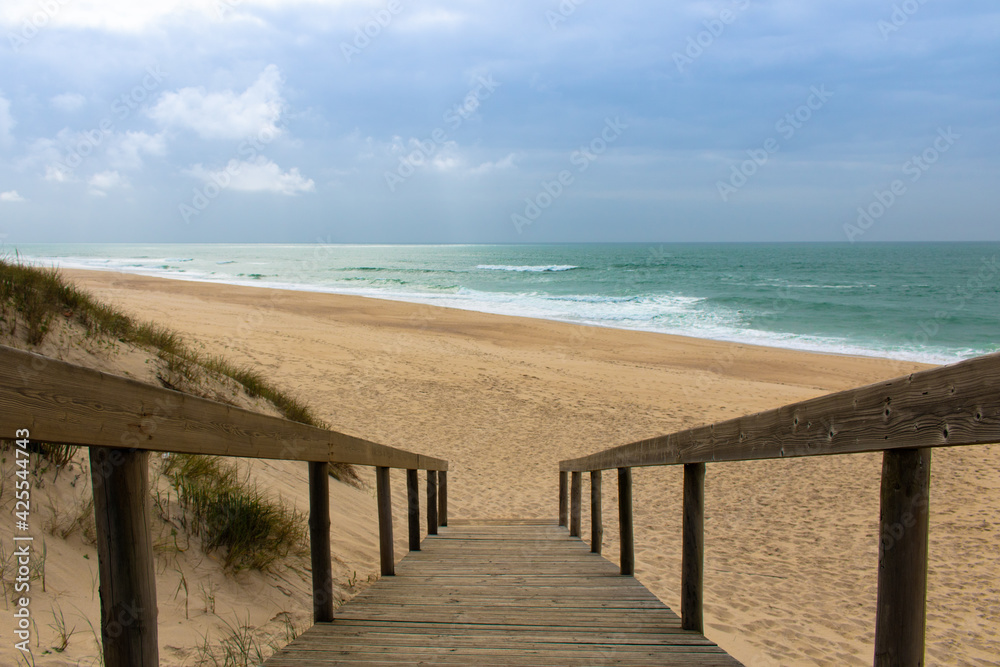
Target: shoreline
{"x": 791, "y": 545}
{"x": 417, "y": 301}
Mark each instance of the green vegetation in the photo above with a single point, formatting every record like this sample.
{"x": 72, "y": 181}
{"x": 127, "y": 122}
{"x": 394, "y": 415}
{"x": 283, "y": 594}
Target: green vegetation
{"x": 34, "y": 296}
{"x": 231, "y": 514}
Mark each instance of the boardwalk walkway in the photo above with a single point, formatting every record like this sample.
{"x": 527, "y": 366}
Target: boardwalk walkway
{"x": 503, "y": 593}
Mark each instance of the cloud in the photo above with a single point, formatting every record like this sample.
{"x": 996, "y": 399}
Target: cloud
{"x": 12, "y": 196}
{"x": 125, "y": 150}
{"x": 7, "y": 122}
{"x": 226, "y": 114}
{"x": 258, "y": 175}
{"x": 125, "y": 16}
{"x": 68, "y": 102}
{"x": 498, "y": 165}
{"x": 101, "y": 182}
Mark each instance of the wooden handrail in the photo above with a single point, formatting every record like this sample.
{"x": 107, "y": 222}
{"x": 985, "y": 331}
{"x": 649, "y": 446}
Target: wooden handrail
{"x": 62, "y": 403}
{"x": 942, "y": 407}
{"x": 120, "y": 420}
{"x": 904, "y": 418}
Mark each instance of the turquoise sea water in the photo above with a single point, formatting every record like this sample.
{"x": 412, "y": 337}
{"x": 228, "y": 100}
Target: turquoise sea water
{"x": 934, "y": 302}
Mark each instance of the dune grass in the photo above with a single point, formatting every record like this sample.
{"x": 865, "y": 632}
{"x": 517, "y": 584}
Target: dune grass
{"x": 230, "y": 513}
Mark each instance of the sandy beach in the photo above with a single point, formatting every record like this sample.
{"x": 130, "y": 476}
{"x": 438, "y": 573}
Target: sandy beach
{"x": 792, "y": 547}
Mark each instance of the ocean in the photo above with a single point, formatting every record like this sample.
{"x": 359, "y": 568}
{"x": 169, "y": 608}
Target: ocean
{"x": 931, "y": 302}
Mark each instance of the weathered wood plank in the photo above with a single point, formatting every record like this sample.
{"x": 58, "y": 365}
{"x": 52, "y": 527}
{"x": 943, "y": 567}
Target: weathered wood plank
{"x": 953, "y": 405}
{"x": 442, "y": 497}
{"x": 563, "y": 498}
{"x": 319, "y": 541}
{"x": 596, "y": 518}
{"x": 693, "y": 547}
{"x": 413, "y": 509}
{"x": 900, "y": 612}
{"x": 626, "y": 534}
{"x": 450, "y": 610}
{"x": 575, "y": 503}
{"x": 120, "y": 482}
{"x": 387, "y": 558}
{"x": 64, "y": 403}
{"x": 432, "y": 503}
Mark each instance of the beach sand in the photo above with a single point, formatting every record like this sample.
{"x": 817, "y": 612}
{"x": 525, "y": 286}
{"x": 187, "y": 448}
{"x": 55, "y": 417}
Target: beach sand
{"x": 790, "y": 571}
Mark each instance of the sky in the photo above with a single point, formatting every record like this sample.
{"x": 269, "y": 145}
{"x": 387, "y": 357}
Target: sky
{"x": 468, "y": 121}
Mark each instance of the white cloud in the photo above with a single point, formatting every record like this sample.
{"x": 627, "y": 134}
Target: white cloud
{"x": 258, "y": 175}
{"x": 11, "y": 195}
{"x": 226, "y": 115}
{"x": 7, "y": 122}
{"x": 130, "y": 16}
{"x": 68, "y": 102}
{"x": 125, "y": 150}
{"x": 101, "y": 182}
{"x": 498, "y": 165}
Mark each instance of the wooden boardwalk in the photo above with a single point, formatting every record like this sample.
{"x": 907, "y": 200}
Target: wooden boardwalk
{"x": 503, "y": 593}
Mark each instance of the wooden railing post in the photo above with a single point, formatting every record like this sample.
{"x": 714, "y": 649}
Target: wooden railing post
{"x": 432, "y": 503}
{"x": 319, "y": 541}
{"x": 596, "y": 518}
{"x": 443, "y": 497}
{"x": 413, "y": 509}
{"x": 120, "y": 481}
{"x": 693, "y": 547}
{"x": 385, "y": 548}
{"x": 575, "y": 503}
{"x": 563, "y": 498}
{"x": 625, "y": 521}
{"x": 902, "y": 558}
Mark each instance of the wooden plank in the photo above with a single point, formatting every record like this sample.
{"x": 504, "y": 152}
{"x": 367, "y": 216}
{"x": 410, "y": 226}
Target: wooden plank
{"x": 575, "y": 503}
{"x": 900, "y": 612}
{"x": 432, "y": 503}
{"x": 387, "y": 558}
{"x": 120, "y": 482}
{"x": 693, "y": 547}
{"x": 442, "y": 497}
{"x": 596, "y": 518}
{"x": 563, "y": 498}
{"x": 942, "y": 407}
{"x": 626, "y": 534}
{"x": 413, "y": 509}
{"x": 64, "y": 403}
{"x": 444, "y": 607}
{"x": 319, "y": 541}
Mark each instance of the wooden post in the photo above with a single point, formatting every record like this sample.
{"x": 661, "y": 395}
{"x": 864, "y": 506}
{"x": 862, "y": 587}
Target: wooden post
{"x": 432, "y": 503}
{"x": 563, "y": 498}
{"x": 413, "y": 509}
{"x": 596, "y": 518}
{"x": 120, "y": 481}
{"x": 387, "y": 558}
{"x": 693, "y": 547}
{"x": 902, "y": 558}
{"x": 575, "y": 503}
{"x": 319, "y": 541}
{"x": 443, "y": 497}
{"x": 625, "y": 521}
